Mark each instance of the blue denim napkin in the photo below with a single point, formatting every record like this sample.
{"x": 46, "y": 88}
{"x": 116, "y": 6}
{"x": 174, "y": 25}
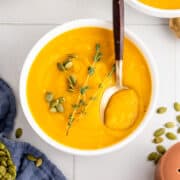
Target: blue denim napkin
{"x": 26, "y": 170}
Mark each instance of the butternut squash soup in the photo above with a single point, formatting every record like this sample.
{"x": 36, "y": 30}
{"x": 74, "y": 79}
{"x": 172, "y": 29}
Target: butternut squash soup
{"x": 67, "y": 80}
{"x": 162, "y": 4}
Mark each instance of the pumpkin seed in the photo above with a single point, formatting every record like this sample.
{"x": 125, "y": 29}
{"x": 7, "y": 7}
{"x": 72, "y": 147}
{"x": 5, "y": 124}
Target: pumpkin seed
{"x": 18, "y": 133}
{"x": 30, "y": 157}
{"x": 39, "y": 162}
{"x": 12, "y": 170}
{"x": 178, "y": 118}
{"x": 161, "y": 149}
{"x": 2, "y": 170}
{"x": 60, "y": 67}
{"x": 171, "y": 136}
{"x": 2, "y": 146}
{"x": 68, "y": 65}
{"x": 153, "y": 156}
{"x": 177, "y": 106}
{"x": 54, "y": 103}
{"x": 178, "y": 130}
{"x": 2, "y": 153}
{"x": 8, "y": 176}
{"x": 53, "y": 110}
{"x": 157, "y": 160}
{"x": 170, "y": 125}
{"x": 72, "y": 80}
{"x": 159, "y": 132}
{"x": 158, "y": 140}
{"x": 61, "y": 100}
{"x": 60, "y": 108}
{"x": 49, "y": 96}
{"x": 161, "y": 110}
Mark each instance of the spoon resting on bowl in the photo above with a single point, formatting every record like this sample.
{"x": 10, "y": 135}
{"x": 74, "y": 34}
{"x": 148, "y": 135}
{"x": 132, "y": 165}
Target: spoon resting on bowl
{"x": 120, "y": 96}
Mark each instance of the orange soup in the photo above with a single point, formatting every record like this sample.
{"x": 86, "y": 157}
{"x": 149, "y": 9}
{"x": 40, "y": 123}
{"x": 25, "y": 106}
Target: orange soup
{"x": 67, "y": 80}
{"x": 162, "y": 4}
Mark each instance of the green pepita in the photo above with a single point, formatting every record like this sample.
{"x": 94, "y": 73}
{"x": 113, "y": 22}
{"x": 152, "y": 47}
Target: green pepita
{"x": 157, "y": 160}
{"x": 159, "y": 132}
{"x": 8, "y": 176}
{"x": 30, "y": 157}
{"x": 18, "y": 133}
{"x": 161, "y": 149}
{"x": 39, "y": 162}
{"x": 60, "y": 67}
{"x": 161, "y": 110}
{"x": 61, "y": 100}
{"x": 49, "y": 97}
{"x": 2, "y": 170}
{"x": 158, "y": 140}
{"x": 2, "y": 153}
{"x": 178, "y": 130}
{"x": 170, "y": 125}
{"x": 153, "y": 156}
{"x": 177, "y": 106}
{"x": 72, "y": 80}
{"x": 60, "y": 108}
{"x": 53, "y": 110}
{"x": 178, "y": 118}
{"x": 171, "y": 136}
{"x": 68, "y": 65}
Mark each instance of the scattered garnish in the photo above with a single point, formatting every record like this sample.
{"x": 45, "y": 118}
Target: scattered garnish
{"x": 7, "y": 167}
{"x": 18, "y": 133}
{"x": 171, "y": 136}
{"x": 161, "y": 110}
{"x": 55, "y": 105}
{"x": 159, "y": 132}
{"x": 158, "y": 140}
{"x": 37, "y": 161}
{"x": 161, "y": 149}
{"x": 170, "y": 125}
{"x": 177, "y": 106}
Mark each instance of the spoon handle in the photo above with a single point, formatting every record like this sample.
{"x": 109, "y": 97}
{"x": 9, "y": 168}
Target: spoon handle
{"x": 118, "y": 23}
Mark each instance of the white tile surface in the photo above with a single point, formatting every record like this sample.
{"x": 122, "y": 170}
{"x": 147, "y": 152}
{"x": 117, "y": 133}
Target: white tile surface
{"x": 23, "y": 22}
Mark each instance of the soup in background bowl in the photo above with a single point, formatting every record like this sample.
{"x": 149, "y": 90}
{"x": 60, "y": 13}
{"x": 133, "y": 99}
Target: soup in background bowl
{"x": 158, "y": 8}
{"x": 64, "y": 77}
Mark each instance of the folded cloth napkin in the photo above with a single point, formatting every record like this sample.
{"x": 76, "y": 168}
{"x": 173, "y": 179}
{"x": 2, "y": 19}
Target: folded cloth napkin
{"x": 26, "y": 170}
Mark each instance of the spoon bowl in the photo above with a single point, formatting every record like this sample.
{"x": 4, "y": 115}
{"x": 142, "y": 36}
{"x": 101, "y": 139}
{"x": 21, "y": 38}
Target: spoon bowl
{"x": 125, "y": 117}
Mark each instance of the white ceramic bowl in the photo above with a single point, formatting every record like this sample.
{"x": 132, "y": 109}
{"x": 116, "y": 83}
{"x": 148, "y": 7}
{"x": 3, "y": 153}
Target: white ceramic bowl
{"x": 37, "y": 48}
{"x": 163, "y": 13}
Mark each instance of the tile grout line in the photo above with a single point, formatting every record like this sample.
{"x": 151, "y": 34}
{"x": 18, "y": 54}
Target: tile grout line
{"x": 52, "y": 24}
{"x": 74, "y": 168}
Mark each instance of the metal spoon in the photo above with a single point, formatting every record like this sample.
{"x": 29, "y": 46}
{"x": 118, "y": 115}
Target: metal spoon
{"x": 118, "y": 23}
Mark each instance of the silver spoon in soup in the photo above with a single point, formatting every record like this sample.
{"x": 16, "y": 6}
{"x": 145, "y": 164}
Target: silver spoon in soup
{"x": 119, "y": 105}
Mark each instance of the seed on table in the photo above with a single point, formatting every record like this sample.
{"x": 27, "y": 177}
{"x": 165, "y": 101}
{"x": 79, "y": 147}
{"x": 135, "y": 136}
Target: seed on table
{"x": 153, "y": 156}
{"x": 178, "y": 118}
{"x": 161, "y": 149}
{"x": 157, "y": 160}
{"x": 30, "y": 157}
{"x": 161, "y": 110}
{"x": 158, "y": 140}
{"x": 171, "y": 136}
{"x": 159, "y": 132}
{"x": 178, "y": 130}
{"x": 170, "y": 125}
{"x": 2, "y": 146}
{"x": 18, "y": 133}
{"x": 39, "y": 162}
{"x": 177, "y": 106}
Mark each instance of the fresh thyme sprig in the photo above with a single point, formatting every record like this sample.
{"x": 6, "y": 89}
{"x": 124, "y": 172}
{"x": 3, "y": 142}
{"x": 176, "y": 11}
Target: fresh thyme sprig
{"x": 91, "y": 70}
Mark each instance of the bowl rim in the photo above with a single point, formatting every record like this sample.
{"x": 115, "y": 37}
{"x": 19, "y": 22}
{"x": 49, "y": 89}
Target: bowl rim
{"x": 37, "y": 48}
{"x": 157, "y": 12}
